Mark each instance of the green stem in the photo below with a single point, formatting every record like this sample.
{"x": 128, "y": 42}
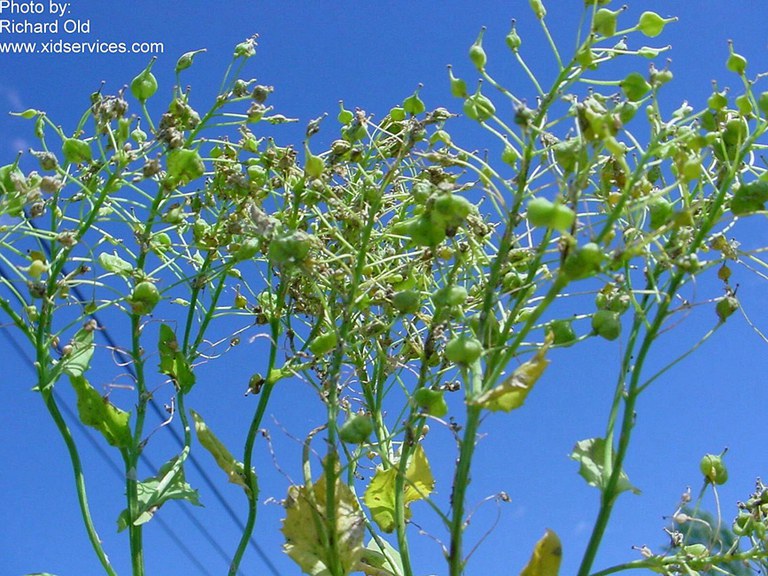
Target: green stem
{"x": 77, "y": 468}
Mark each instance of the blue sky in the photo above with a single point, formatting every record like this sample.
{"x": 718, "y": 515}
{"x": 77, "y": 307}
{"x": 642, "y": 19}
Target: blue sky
{"x": 372, "y": 55}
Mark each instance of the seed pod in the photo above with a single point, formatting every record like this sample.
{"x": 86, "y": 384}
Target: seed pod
{"x": 713, "y": 468}
{"x": 726, "y": 307}
{"x": 736, "y": 62}
{"x": 479, "y": 107}
{"x": 606, "y": 324}
{"x": 323, "y": 343}
{"x": 345, "y": 116}
{"x": 356, "y": 429}
{"x": 542, "y": 212}
{"x": 605, "y": 21}
{"x": 76, "y": 151}
{"x": 186, "y": 60}
{"x": 463, "y": 350}
{"x": 513, "y": 39}
{"x": 450, "y": 210}
{"x": 407, "y": 301}
{"x": 144, "y": 85}
{"x": 635, "y": 86}
{"x": 431, "y": 401}
{"x": 583, "y": 262}
{"x": 313, "y": 165}
{"x": 289, "y": 247}
{"x": 450, "y": 296}
{"x": 762, "y": 103}
{"x": 538, "y": 8}
{"x": 458, "y": 86}
{"x": 651, "y": 24}
{"x": 144, "y": 298}
{"x": 476, "y": 53}
{"x": 184, "y": 165}
{"x": 413, "y": 104}
{"x": 562, "y": 332}
{"x": 424, "y": 232}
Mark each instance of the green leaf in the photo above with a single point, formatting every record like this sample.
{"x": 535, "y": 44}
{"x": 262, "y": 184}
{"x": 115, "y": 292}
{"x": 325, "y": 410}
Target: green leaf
{"x": 113, "y": 263}
{"x": 78, "y": 359}
{"x": 380, "y": 494}
{"x": 513, "y": 391}
{"x": 546, "y": 557}
{"x": 173, "y": 361}
{"x": 306, "y": 531}
{"x": 380, "y": 559}
{"x": 234, "y": 470}
{"x": 168, "y": 484}
{"x": 590, "y": 454}
{"x": 99, "y": 413}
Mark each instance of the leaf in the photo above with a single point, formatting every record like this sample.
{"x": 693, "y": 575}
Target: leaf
{"x": 380, "y": 494}
{"x": 380, "y": 559}
{"x": 77, "y": 360}
{"x": 590, "y": 454}
{"x": 168, "y": 484}
{"x": 511, "y": 394}
{"x": 99, "y": 413}
{"x": 545, "y": 560}
{"x": 305, "y": 528}
{"x": 113, "y": 263}
{"x": 173, "y": 361}
{"x": 234, "y": 469}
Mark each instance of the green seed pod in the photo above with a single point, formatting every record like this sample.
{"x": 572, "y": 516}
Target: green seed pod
{"x": 289, "y": 247}
{"x": 542, "y": 212}
{"x": 749, "y": 198}
{"x": 651, "y": 24}
{"x": 144, "y": 298}
{"x": 76, "y": 151}
{"x": 762, "y": 103}
{"x": 450, "y": 210}
{"x": 476, "y": 53}
{"x": 513, "y": 39}
{"x": 605, "y": 21}
{"x": 635, "y": 86}
{"x": 407, "y": 301}
{"x": 744, "y": 104}
{"x": 606, "y": 324}
{"x": 538, "y": 8}
{"x": 356, "y": 429}
{"x": 726, "y": 307}
{"x": 186, "y": 60}
{"x": 9, "y": 176}
{"x": 323, "y": 343}
{"x": 424, "y": 232}
{"x": 431, "y": 401}
{"x": 397, "y": 114}
{"x": 247, "y": 249}
{"x": 510, "y": 155}
{"x": 413, "y": 104}
{"x": 458, "y": 86}
{"x": 736, "y": 62}
{"x": 583, "y": 262}
{"x": 184, "y": 165}
{"x": 463, "y": 350}
{"x": 479, "y": 107}
{"x": 37, "y": 268}
{"x": 743, "y": 525}
{"x": 450, "y": 296}
{"x": 562, "y": 332}
{"x": 144, "y": 85}
{"x": 313, "y": 165}
{"x": 713, "y": 469}
{"x": 345, "y": 116}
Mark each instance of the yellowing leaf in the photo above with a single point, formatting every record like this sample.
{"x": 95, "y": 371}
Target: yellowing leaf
{"x": 511, "y": 393}
{"x": 172, "y": 360}
{"x": 380, "y": 559}
{"x": 234, "y": 469}
{"x": 78, "y": 360}
{"x": 590, "y": 454}
{"x": 98, "y": 412}
{"x": 545, "y": 560}
{"x": 308, "y": 537}
{"x": 380, "y": 494}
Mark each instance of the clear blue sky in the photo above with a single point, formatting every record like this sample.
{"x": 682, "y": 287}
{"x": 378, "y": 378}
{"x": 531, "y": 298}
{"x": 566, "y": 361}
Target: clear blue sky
{"x": 372, "y": 55}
